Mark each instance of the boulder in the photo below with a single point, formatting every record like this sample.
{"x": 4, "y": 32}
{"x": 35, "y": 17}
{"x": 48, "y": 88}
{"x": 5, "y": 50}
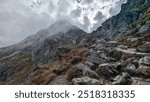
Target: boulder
{"x": 94, "y": 59}
{"x": 143, "y": 71}
{"x": 91, "y": 65}
{"x": 145, "y": 61}
{"x": 131, "y": 69}
{"x": 85, "y": 70}
{"x": 85, "y": 81}
{"x": 145, "y": 48}
{"x": 106, "y": 71}
{"x": 124, "y": 79}
{"x": 113, "y": 53}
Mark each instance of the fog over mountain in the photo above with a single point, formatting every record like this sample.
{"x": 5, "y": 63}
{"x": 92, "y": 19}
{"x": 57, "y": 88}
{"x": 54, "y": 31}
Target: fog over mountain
{"x": 21, "y": 18}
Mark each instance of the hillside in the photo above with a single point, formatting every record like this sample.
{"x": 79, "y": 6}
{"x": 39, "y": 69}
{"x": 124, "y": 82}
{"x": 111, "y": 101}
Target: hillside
{"x": 117, "y": 53}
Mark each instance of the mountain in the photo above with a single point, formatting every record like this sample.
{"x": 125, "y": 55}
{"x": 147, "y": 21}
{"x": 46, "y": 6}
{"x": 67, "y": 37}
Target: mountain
{"x": 117, "y": 53}
{"x": 39, "y": 48}
{"x": 133, "y": 13}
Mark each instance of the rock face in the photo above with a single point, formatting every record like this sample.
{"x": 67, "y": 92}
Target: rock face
{"x": 130, "y": 12}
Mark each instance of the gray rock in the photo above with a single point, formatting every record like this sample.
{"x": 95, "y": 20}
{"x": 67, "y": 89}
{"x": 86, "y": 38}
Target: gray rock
{"x": 147, "y": 22}
{"x": 131, "y": 67}
{"x": 99, "y": 46}
{"x": 81, "y": 66}
{"x": 90, "y": 73}
{"x": 106, "y": 70}
{"x": 144, "y": 29}
{"x": 124, "y": 79}
{"x": 85, "y": 81}
{"x": 112, "y": 44}
{"x": 94, "y": 59}
{"x": 83, "y": 41}
{"x": 145, "y": 61}
{"x": 3, "y": 74}
{"x": 144, "y": 71}
{"x": 144, "y": 48}
{"x": 101, "y": 41}
{"x": 132, "y": 49}
{"x": 85, "y": 70}
{"x": 122, "y": 46}
{"x": 91, "y": 65}
{"x": 77, "y": 81}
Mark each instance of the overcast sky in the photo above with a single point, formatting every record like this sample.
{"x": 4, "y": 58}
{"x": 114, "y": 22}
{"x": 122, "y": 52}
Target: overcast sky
{"x": 21, "y": 18}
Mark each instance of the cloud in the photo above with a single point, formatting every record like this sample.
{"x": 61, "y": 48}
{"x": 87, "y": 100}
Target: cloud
{"x": 86, "y": 22}
{"x": 18, "y": 22}
{"x": 99, "y": 16}
{"x": 76, "y": 13}
{"x": 21, "y": 18}
{"x": 87, "y": 1}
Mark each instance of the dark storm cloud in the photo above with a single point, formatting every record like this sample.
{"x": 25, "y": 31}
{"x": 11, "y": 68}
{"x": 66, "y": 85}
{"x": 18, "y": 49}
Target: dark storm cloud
{"x": 99, "y": 16}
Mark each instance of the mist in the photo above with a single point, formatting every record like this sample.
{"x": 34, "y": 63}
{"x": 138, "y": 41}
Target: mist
{"x": 21, "y": 18}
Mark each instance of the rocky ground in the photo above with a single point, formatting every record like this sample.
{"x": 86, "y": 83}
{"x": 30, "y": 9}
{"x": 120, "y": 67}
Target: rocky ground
{"x": 106, "y": 62}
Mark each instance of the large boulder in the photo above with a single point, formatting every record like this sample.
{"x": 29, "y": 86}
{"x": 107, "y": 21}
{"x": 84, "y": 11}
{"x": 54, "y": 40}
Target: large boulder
{"x": 85, "y": 81}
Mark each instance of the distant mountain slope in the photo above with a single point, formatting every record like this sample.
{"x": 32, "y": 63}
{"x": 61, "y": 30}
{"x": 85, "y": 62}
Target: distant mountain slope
{"x": 38, "y": 49}
{"x": 35, "y": 41}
